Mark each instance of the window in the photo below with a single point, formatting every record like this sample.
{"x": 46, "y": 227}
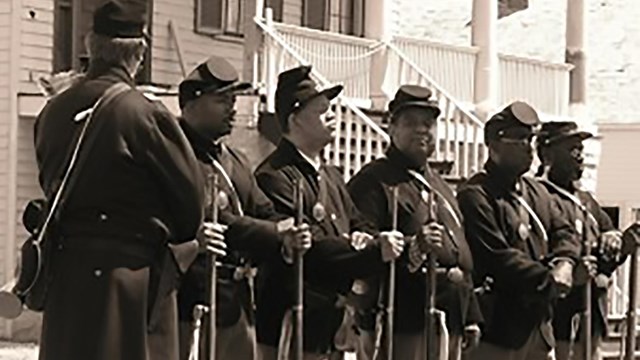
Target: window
{"x": 508, "y": 7}
{"x": 276, "y": 5}
{"x": 73, "y": 20}
{"x": 215, "y": 17}
{"x": 342, "y": 16}
{"x": 63, "y": 36}
{"x": 614, "y": 214}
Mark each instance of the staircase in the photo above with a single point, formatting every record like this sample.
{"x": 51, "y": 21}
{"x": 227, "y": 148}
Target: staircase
{"x": 344, "y": 59}
{"x": 613, "y": 345}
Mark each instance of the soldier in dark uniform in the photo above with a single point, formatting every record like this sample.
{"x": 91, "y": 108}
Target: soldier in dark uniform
{"x": 132, "y": 213}
{"x": 412, "y": 130}
{"x": 332, "y": 262}
{"x": 560, "y": 149}
{"x": 520, "y": 242}
{"x": 207, "y": 98}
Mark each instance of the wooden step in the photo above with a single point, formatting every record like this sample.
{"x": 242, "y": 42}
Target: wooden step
{"x": 615, "y": 355}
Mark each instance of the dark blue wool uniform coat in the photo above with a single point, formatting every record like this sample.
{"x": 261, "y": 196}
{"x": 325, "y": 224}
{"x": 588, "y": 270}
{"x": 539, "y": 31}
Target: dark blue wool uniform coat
{"x": 523, "y": 288}
{"x": 331, "y": 264}
{"x": 251, "y": 239}
{"x": 574, "y": 303}
{"x": 372, "y": 194}
{"x": 113, "y": 295}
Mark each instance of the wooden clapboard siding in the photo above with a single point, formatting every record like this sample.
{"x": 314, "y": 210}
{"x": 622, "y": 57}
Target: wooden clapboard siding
{"x": 6, "y": 252}
{"x": 292, "y": 12}
{"x": 27, "y": 184}
{"x": 196, "y": 47}
{"x": 36, "y": 41}
{"x": 165, "y": 68}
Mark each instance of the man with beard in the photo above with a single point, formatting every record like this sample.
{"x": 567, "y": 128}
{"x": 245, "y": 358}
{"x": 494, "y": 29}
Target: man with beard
{"x": 131, "y": 213}
{"x": 207, "y": 98}
{"x": 405, "y": 167}
{"x": 560, "y": 149}
{"x": 343, "y": 247}
{"x": 520, "y": 242}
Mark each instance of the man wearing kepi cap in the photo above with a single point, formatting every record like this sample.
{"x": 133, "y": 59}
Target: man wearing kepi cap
{"x": 560, "y": 150}
{"x": 523, "y": 248}
{"x": 133, "y": 206}
{"x": 413, "y": 117}
{"x": 343, "y": 248}
{"x": 207, "y": 99}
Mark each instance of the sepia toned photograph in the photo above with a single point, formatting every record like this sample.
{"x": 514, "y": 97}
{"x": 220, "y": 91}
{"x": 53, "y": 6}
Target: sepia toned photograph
{"x": 319, "y": 179}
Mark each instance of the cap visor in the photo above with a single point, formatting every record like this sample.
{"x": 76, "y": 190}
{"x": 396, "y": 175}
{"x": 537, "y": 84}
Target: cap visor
{"x": 332, "y": 92}
{"x": 580, "y": 135}
{"x": 235, "y": 87}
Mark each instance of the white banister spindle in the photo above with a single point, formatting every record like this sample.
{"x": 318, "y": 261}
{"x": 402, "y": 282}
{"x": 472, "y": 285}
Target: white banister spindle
{"x": 379, "y": 147}
{"x": 475, "y": 164}
{"x": 368, "y": 150}
{"x": 347, "y": 143}
{"x": 465, "y": 150}
{"x": 336, "y": 140}
{"x": 456, "y": 143}
{"x": 358, "y": 159}
{"x": 447, "y": 130}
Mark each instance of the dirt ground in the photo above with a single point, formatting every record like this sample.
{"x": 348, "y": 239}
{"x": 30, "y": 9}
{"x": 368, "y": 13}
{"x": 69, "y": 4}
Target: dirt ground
{"x": 15, "y": 351}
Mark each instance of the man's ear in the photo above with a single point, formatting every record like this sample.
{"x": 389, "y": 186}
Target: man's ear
{"x": 292, "y": 121}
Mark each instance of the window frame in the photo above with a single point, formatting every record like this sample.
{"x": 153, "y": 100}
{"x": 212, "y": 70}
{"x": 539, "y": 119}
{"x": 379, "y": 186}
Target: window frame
{"x": 201, "y": 28}
{"x": 225, "y": 28}
{"x": 356, "y": 20}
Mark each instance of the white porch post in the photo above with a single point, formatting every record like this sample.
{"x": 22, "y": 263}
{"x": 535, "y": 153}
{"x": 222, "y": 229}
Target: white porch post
{"x": 377, "y": 25}
{"x": 483, "y": 35}
{"x": 575, "y": 55}
{"x": 578, "y": 109}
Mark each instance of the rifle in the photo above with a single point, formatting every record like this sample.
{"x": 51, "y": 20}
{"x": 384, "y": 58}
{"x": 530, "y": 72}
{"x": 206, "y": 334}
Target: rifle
{"x": 587, "y": 291}
{"x": 430, "y": 277}
{"x": 298, "y": 269}
{"x": 386, "y": 314}
{"x": 200, "y": 310}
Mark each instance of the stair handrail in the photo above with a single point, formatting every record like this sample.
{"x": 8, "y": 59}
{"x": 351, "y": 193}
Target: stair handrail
{"x": 273, "y": 33}
{"x": 433, "y": 84}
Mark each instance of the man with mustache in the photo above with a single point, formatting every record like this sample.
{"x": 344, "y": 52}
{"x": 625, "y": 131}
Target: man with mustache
{"x": 412, "y": 130}
{"x": 560, "y": 148}
{"x": 344, "y": 247}
{"x": 207, "y": 98}
{"x": 521, "y": 243}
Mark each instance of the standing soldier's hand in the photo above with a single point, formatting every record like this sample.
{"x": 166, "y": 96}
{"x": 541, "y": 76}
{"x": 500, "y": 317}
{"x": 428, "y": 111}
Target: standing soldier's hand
{"x": 211, "y": 239}
{"x": 295, "y": 239}
{"x": 562, "y": 273}
{"x": 359, "y": 240}
{"x": 431, "y": 237}
{"x": 611, "y": 244}
{"x": 392, "y": 244}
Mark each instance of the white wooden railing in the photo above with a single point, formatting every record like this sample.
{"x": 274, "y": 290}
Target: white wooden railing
{"x": 447, "y": 70}
{"x": 460, "y": 132}
{"x": 618, "y": 291}
{"x": 451, "y": 67}
{"x": 340, "y": 58}
{"x": 542, "y": 84}
{"x": 358, "y": 139}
